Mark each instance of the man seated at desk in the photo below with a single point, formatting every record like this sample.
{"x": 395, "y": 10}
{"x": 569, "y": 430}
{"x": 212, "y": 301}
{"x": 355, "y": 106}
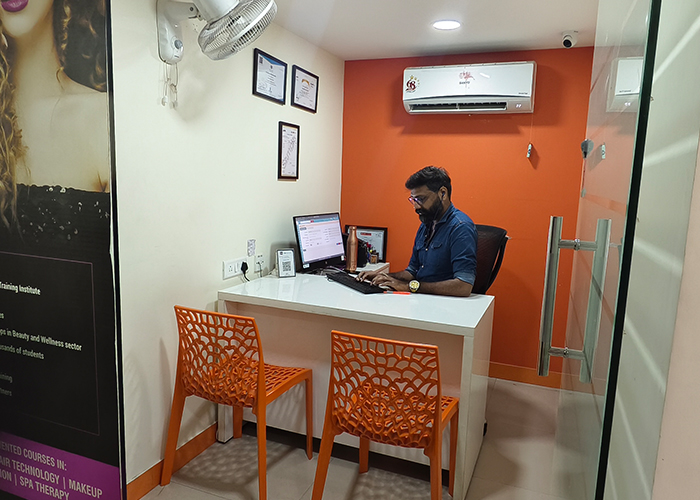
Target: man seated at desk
{"x": 444, "y": 251}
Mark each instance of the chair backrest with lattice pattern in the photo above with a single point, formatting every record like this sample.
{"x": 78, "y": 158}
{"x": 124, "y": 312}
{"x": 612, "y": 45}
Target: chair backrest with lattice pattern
{"x": 384, "y": 390}
{"x": 220, "y": 356}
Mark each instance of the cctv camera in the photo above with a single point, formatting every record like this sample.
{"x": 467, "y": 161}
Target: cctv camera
{"x": 569, "y": 39}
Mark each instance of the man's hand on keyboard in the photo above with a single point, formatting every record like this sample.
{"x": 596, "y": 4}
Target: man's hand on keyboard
{"x": 386, "y": 281}
{"x": 367, "y": 276}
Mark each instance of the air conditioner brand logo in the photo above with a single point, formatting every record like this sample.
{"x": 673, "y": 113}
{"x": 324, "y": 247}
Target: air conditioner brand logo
{"x": 412, "y": 84}
{"x": 464, "y": 77}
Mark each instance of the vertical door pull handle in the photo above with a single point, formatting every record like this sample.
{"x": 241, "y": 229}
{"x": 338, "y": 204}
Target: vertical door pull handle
{"x": 600, "y": 248}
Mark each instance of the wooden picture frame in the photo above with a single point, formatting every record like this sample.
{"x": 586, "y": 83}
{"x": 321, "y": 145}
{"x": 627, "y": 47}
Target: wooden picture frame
{"x": 304, "y": 89}
{"x": 375, "y": 236}
{"x": 288, "y": 151}
{"x": 269, "y": 77}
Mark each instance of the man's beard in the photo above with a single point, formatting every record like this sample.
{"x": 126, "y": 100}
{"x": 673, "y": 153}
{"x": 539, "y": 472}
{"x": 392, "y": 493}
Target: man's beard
{"x": 428, "y": 216}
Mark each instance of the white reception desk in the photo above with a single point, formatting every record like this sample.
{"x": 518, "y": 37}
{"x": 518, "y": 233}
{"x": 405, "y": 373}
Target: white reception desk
{"x": 296, "y": 315}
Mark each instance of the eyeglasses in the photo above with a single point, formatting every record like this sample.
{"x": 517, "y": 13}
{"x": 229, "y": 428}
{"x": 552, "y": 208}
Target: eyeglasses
{"x": 418, "y": 200}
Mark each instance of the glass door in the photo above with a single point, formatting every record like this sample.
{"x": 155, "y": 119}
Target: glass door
{"x": 601, "y": 246}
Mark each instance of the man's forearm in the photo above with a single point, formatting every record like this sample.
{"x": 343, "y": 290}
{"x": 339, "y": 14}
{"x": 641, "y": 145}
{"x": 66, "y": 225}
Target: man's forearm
{"x": 402, "y": 275}
{"x": 454, "y": 287}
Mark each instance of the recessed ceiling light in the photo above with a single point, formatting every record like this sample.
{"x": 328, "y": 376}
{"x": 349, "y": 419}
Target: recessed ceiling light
{"x": 446, "y": 25}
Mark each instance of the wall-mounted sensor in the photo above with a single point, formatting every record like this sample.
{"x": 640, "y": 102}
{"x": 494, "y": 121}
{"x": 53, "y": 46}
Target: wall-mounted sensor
{"x": 569, "y": 39}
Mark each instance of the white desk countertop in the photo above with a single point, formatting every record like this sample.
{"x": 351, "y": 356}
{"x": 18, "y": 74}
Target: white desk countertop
{"x": 315, "y": 294}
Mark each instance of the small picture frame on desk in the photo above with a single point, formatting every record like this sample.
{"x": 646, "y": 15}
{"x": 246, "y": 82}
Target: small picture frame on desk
{"x": 285, "y": 263}
{"x": 375, "y": 237}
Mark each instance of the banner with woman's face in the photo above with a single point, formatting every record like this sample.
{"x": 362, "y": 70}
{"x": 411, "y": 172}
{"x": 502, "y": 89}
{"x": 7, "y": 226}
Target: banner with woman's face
{"x": 59, "y": 411}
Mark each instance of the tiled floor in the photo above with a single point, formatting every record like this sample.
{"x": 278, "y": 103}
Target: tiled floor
{"x": 518, "y": 461}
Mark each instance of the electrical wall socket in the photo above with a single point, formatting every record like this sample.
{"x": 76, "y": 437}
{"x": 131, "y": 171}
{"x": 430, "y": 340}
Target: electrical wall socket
{"x": 259, "y": 262}
{"x": 232, "y": 268}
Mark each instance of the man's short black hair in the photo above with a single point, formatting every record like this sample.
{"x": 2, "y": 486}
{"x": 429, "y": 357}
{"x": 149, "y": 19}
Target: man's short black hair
{"x": 431, "y": 177}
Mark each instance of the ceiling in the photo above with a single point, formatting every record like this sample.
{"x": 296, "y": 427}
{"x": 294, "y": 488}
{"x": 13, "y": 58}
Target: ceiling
{"x": 376, "y": 29}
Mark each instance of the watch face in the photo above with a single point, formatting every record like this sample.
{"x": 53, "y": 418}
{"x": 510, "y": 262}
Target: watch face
{"x": 413, "y": 285}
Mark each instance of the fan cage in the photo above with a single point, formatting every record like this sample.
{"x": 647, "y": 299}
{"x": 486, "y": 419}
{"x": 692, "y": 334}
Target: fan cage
{"x": 243, "y": 25}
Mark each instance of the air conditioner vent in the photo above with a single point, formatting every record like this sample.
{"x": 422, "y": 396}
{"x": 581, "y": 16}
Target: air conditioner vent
{"x": 459, "y": 106}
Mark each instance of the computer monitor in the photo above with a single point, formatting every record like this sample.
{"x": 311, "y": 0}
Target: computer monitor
{"x": 320, "y": 241}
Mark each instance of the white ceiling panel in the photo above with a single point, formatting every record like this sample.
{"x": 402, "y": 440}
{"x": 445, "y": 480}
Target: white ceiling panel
{"x": 375, "y": 29}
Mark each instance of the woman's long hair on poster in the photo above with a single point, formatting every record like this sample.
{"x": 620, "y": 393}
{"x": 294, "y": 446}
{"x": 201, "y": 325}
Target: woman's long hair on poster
{"x": 79, "y": 39}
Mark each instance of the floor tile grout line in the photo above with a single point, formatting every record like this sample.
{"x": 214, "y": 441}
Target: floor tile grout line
{"x": 303, "y": 495}
{"x": 517, "y": 487}
{"x": 191, "y": 487}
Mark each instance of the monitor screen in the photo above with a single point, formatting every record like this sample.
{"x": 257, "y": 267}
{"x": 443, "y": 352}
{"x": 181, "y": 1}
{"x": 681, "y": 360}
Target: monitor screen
{"x": 320, "y": 240}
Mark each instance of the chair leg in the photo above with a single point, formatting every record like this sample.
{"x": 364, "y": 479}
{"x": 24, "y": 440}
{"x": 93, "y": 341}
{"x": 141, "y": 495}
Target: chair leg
{"x": 237, "y": 422}
{"x": 176, "y": 411}
{"x": 309, "y": 417}
{"x": 364, "y": 455}
{"x": 436, "y": 467}
{"x": 262, "y": 453}
{"x": 324, "y": 458}
{"x": 453, "y": 449}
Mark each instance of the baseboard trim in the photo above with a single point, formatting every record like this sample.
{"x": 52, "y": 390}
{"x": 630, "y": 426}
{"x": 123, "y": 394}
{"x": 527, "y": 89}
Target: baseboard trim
{"x": 139, "y": 487}
{"x": 525, "y": 375}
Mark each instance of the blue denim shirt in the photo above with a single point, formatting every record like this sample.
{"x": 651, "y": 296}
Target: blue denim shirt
{"x": 450, "y": 253}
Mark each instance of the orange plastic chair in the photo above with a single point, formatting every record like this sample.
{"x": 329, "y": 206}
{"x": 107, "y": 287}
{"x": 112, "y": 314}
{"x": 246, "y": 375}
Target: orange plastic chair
{"x": 220, "y": 359}
{"x": 388, "y": 392}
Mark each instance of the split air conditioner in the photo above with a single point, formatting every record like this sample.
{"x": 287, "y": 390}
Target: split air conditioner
{"x": 626, "y": 80}
{"x": 473, "y": 88}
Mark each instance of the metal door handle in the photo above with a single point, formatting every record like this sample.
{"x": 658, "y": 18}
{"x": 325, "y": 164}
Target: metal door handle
{"x": 595, "y": 297}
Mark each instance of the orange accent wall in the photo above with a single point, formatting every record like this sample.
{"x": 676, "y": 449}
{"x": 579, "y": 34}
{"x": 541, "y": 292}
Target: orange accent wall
{"x": 492, "y": 179}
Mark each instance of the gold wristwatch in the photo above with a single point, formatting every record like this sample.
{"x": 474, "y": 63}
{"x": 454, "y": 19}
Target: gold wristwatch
{"x": 413, "y": 286}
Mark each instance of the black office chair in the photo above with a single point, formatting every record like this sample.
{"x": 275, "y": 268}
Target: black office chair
{"x": 490, "y": 247}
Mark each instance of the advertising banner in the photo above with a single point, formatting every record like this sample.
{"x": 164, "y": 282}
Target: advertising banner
{"x": 59, "y": 411}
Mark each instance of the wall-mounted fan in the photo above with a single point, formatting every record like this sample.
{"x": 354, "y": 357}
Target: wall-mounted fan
{"x": 231, "y": 25}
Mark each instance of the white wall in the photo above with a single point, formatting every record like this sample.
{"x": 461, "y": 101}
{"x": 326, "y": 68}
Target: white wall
{"x": 659, "y": 263}
{"x": 678, "y": 459}
{"x": 193, "y": 185}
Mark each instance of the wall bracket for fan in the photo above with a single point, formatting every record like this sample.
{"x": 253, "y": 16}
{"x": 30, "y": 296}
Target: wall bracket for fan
{"x": 170, "y": 15}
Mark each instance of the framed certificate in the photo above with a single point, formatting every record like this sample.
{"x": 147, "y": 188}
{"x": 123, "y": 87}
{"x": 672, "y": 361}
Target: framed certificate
{"x": 375, "y": 237}
{"x": 288, "y": 160}
{"x": 304, "y": 89}
{"x": 269, "y": 77}
{"x": 285, "y": 263}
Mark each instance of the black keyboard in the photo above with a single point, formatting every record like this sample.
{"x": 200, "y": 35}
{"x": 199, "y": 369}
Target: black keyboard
{"x": 351, "y": 282}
